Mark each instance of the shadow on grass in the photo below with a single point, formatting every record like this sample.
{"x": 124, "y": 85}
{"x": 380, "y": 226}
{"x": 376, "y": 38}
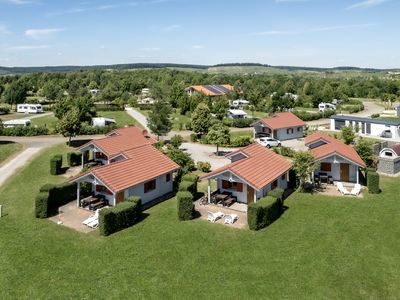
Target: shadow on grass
{"x": 78, "y": 143}
{"x": 6, "y": 142}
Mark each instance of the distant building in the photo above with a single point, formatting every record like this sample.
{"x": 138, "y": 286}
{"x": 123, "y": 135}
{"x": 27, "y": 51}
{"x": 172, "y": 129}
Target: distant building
{"x": 240, "y": 103}
{"x": 210, "y": 90}
{"x": 236, "y": 114}
{"x": 147, "y": 100}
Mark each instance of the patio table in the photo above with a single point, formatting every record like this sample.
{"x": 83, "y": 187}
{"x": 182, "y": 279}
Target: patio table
{"x": 323, "y": 178}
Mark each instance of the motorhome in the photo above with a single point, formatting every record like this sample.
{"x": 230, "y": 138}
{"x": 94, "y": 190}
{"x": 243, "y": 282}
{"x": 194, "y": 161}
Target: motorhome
{"x": 326, "y": 106}
{"x": 29, "y": 108}
{"x": 101, "y": 122}
{"x": 17, "y": 122}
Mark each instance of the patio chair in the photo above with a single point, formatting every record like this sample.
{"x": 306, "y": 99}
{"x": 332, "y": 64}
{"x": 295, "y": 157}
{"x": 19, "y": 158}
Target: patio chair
{"x": 212, "y": 217}
{"x": 230, "y": 219}
{"x": 94, "y": 223}
{"x": 91, "y": 218}
{"x": 356, "y": 190}
{"x": 342, "y": 189}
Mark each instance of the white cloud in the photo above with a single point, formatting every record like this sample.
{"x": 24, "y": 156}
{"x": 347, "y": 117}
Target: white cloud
{"x": 28, "y": 47}
{"x": 41, "y": 33}
{"x": 367, "y": 4}
{"x": 171, "y": 28}
{"x": 314, "y": 29}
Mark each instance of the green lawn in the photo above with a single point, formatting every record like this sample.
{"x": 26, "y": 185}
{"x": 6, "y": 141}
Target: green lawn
{"x": 321, "y": 248}
{"x": 121, "y": 117}
{"x": 243, "y": 133}
{"x": 49, "y": 121}
{"x": 8, "y": 149}
{"x": 391, "y": 119}
{"x": 176, "y": 118}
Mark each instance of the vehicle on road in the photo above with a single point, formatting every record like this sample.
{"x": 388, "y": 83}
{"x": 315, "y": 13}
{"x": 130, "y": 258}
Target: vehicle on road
{"x": 268, "y": 142}
{"x": 29, "y": 108}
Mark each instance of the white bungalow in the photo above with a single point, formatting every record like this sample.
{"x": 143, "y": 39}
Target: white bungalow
{"x": 252, "y": 173}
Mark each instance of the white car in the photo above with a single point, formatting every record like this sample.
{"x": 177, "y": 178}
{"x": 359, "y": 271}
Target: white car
{"x": 268, "y": 142}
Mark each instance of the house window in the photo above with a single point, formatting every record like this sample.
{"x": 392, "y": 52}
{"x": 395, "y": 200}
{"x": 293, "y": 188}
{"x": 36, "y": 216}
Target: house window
{"x": 326, "y": 167}
{"x": 100, "y": 155}
{"x": 102, "y": 189}
{"x": 236, "y": 186}
{"x": 388, "y": 154}
{"x": 283, "y": 177}
{"x": 289, "y": 131}
{"x": 298, "y": 129}
{"x": 274, "y": 185}
{"x": 168, "y": 177}
{"x": 150, "y": 186}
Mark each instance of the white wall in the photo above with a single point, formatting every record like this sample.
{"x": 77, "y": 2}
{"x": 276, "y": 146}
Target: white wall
{"x": 162, "y": 187}
{"x": 335, "y": 169}
{"x": 283, "y": 135}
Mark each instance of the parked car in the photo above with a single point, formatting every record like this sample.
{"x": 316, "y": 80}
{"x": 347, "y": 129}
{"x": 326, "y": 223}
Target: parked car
{"x": 386, "y": 134}
{"x": 268, "y": 142}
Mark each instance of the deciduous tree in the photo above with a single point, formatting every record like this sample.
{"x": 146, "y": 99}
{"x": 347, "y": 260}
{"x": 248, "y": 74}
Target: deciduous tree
{"x": 159, "y": 118}
{"x": 219, "y": 135}
{"x": 201, "y": 119}
{"x": 69, "y": 125}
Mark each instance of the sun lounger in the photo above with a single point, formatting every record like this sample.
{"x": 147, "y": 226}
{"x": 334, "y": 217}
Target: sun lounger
{"x": 91, "y": 218}
{"x": 94, "y": 223}
{"x": 342, "y": 189}
{"x": 212, "y": 217}
{"x": 356, "y": 190}
{"x": 230, "y": 219}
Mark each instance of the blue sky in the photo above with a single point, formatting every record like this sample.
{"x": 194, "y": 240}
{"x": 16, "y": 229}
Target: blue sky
{"x": 322, "y": 33}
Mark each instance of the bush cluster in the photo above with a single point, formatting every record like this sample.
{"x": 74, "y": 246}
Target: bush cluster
{"x": 185, "y": 206}
{"x": 51, "y": 197}
{"x": 277, "y": 193}
{"x": 56, "y": 164}
{"x": 108, "y": 107}
{"x": 373, "y": 182}
{"x": 87, "y": 129}
{"x": 119, "y": 217}
{"x": 193, "y": 137}
{"x": 284, "y": 151}
{"x": 25, "y": 131}
{"x": 4, "y": 110}
{"x": 74, "y": 159}
{"x": 204, "y": 166}
{"x": 264, "y": 212}
{"x": 306, "y": 116}
{"x": 240, "y": 141}
{"x": 189, "y": 184}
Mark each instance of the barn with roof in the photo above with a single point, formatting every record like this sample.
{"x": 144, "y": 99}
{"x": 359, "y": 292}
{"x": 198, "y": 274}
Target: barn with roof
{"x": 210, "y": 90}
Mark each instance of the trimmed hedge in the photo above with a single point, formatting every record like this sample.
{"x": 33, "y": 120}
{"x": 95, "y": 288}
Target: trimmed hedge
{"x": 185, "y": 206}
{"x": 134, "y": 199}
{"x": 373, "y": 182}
{"x": 240, "y": 141}
{"x": 188, "y": 186}
{"x": 277, "y": 193}
{"x": 56, "y": 164}
{"x": 119, "y": 217}
{"x": 190, "y": 177}
{"x": 263, "y": 213}
{"x": 25, "y": 131}
{"x": 51, "y": 197}
{"x": 74, "y": 159}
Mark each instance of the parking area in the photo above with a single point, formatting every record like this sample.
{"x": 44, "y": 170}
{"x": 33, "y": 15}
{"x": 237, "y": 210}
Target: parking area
{"x": 297, "y": 144}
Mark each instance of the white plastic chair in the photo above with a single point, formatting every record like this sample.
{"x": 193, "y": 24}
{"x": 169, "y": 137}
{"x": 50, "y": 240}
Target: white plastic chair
{"x": 91, "y": 218}
{"x": 356, "y": 189}
{"x": 342, "y": 189}
{"x": 230, "y": 219}
{"x": 212, "y": 217}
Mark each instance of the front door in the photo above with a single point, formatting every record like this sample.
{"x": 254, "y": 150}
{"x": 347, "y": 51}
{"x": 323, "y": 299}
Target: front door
{"x": 119, "y": 197}
{"x": 344, "y": 172}
{"x": 275, "y": 134}
{"x": 250, "y": 194}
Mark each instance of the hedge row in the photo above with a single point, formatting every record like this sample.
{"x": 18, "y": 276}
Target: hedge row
{"x": 74, "y": 159}
{"x": 25, "y": 131}
{"x": 239, "y": 123}
{"x": 4, "y": 110}
{"x": 56, "y": 164}
{"x": 264, "y": 212}
{"x": 87, "y": 129}
{"x": 185, "y": 205}
{"x": 373, "y": 182}
{"x": 306, "y": 116}
{"x": 51, "y": 197}
{"x": 277, "y": 193}
{"x": 189, "y": 184}
{"x": 119, "y": 217}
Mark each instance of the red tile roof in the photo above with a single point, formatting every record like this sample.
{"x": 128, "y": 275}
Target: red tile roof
{"x": 122, "y": 139}
{"x": 282, "y": 120}
{"x": 212, "y": 90}
{"x": 333, "y": 146}
{"x": 143, "y": 164}
{"x": 261, "y": 166}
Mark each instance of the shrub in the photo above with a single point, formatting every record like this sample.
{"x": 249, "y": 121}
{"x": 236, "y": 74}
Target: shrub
{"x": 176, "y": 140}
{"x": 263, "y": 213}
{"x": 277, "y": 193}
{"x": 4, "y": 110}
{"x": 56, "y": 196}
{"x": 188, "y": 186}
{"x": 190, "y": 177}
{"x": 193, "y": 137}
{"x": 242, "y": 123}
{"x": 134, "y": 199}
{"x": 204, "y": 166}
{"x": 204, "y": 139}
{"x": 188, "y": 126}
{"x": 74, "y": 159}
{"x": 56, "y": 164}
{"x": 119, "y": 217}
{"x": 373, "y": 182}
{"x": 374, "y": 116}
{"x": 25, "y": 131}
{"x": 284, "y": 151}
{"x": 240, "y": 141}
{"x": 87, "y": 129}
{"x": 41, "y": 205}
{"x": 227, "y": 122}
{"x": 185, "y": 206}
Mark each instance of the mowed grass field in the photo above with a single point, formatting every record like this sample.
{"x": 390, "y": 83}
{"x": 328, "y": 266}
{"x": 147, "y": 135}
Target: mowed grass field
{"x": 321, "y": 248}
{"x": 8, "y": 149}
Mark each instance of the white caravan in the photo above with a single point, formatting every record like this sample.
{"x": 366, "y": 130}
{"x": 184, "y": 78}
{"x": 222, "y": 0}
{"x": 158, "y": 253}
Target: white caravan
{"x": 17, "y": 122}
{"x": 29, "y": 108}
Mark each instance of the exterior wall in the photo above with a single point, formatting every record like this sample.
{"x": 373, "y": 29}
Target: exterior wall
{"x": 109, "y": 198}
{"x": 262, "y": 129}
{"x": 389, "y": 166}
{"x": 282, "y": 134}
{"x": 282, "y": 183}
{"x": 376, "y": 129}
{"x": 162, "y": 187}
{"x": 335, "y": 169}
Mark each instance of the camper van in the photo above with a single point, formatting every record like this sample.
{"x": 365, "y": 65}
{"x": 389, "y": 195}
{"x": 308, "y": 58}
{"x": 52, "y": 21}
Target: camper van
{"x": 29, "y": 108}
{"x": 101, "y": 122}
{"x": 326, "y": 106}
{"x": 17, "y": 122}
